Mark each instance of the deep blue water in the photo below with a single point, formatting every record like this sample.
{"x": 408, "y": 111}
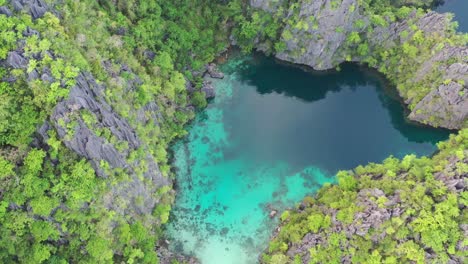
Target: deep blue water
{"x": 274, "y": 134}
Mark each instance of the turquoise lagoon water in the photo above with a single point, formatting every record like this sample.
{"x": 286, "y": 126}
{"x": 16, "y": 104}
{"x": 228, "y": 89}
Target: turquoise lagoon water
{"x": 274, "y": 134}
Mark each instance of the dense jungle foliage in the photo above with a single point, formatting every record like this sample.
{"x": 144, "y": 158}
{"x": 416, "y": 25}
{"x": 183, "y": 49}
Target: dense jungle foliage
{"x": 51, "y": 206}
{"x": 400, "y": 211}
{"x": 51, "y": 200}
{"x": 413, "y": 213}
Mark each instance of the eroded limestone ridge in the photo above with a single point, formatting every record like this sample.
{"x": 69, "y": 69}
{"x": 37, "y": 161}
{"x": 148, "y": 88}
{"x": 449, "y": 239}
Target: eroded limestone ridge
{"x": 419, "y": 51}
{"x": 89, "y": 126}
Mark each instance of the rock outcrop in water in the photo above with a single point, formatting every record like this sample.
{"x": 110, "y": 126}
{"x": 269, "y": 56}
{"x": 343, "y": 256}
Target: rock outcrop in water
{"x": 323, "y": 34}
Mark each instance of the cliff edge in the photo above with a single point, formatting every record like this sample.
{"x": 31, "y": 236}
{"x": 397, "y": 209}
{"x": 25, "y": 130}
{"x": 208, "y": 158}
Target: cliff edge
{"x": 419, "y": 51}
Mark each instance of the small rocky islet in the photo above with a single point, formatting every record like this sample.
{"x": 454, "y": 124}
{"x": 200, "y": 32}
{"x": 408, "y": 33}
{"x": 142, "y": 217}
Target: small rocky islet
{"x": 96, "y": 93}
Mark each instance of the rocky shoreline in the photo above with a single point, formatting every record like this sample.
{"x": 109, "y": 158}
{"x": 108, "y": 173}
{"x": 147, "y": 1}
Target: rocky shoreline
{"x": 383, "y": 211}
{"x": 324, "y": 42}
{"x": 109, "y": 139}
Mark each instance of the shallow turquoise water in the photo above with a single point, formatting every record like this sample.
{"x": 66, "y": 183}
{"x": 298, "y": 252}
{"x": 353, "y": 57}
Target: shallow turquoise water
{"x": 273, "y": 135}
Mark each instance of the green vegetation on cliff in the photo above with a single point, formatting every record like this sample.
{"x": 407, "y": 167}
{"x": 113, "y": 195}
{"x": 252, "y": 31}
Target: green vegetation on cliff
{"x": 401, "y": 211}
{"x": 419, "y": 51}
{"x": 54, "y": 208}
{"x": 58, "y": 206}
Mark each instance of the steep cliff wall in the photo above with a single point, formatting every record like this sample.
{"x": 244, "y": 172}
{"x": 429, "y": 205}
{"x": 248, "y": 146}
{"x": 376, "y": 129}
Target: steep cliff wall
{"x": 85, "y": 127}
{"x": 91, "y": 97}
{"x": 107, "y": 138}
{"x": 417, "y": 50}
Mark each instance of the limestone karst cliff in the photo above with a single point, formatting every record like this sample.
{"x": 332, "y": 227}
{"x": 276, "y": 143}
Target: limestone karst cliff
{"x": 418, "y": 51}
{"x": 93, "y": 92}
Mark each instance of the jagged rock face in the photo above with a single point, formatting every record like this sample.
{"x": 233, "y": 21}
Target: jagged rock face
{"x": 208, "y": 89}
{"x": 85, "y": 95}
{"x": 5, "y": 11}
{"x": 315, "y": 35}
{"x": 16, "y": 61}
{"x": 36, "y": 8}
{"x": 390, "y": 36}
{"x": 318, "y": 36}
{"x": 88, "y": 95}
{"x": 446, "y": 105}
{"x": 319, "y": 31}
{"x": 452, "y": 178}
{"x": 134, "y": 197}
{"x": 370, "y": 218}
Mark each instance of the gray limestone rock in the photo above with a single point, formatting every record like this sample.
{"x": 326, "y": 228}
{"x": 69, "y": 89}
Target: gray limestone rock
{"x": 371, "y": 220}
{"x": 208, "y": 89}
{"x": 135, "y": 197}
{"x": 5, "y": 11}
{"x": 29, "y": 32}
{"x": 316, "y": 33}
{"x": 149, "y": 55}
{"x": 33, "y": 75}
{"x": 83, "y": 97}
{"x": 213, "y": 71}
{"x": 47, "y": 77}
{"x": 36, "y": 8}
{"x": 188, "y": 86}
{"x": 267, "y": 5}
{"x": 42, "y": 133}
{"x": 16, "y": 60}
{"x": 17, "y": 5}
{"x": 447, "y": 104}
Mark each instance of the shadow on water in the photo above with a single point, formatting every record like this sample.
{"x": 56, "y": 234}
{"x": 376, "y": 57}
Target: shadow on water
{"x": 274, "y": 134}
{"x": 291, "y": 80}
{"x": 412, "y": 131}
